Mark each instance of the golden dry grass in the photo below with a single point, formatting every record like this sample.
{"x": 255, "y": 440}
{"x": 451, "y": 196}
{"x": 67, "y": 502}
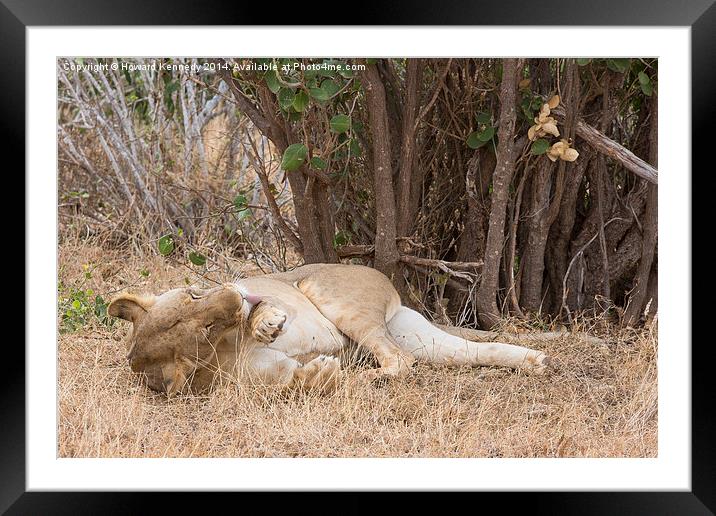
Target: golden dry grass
{"x": 601, "y": 401}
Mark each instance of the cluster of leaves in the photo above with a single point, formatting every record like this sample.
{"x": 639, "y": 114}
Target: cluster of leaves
{"x": 323, "y": 91}
{"x": 485, "y": 131}
{"x": 80, "y": 306}
{"x": 167, "y": 244}
{"x": 641, "y": 72}
{"x": 530, "y": 103}
{"x": 170, "y": 242}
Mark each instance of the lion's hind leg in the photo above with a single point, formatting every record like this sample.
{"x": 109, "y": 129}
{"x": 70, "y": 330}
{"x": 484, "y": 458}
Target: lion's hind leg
{"x": 320, "y": 374}
{"x": 425, "y": 342}
{"x": 361, "y": 321}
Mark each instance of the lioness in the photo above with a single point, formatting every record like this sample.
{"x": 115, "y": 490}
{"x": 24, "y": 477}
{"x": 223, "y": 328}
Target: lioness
{"x": 186, "y": 338}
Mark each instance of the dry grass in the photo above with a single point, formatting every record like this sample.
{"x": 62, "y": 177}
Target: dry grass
{"x": 600, "y": 402}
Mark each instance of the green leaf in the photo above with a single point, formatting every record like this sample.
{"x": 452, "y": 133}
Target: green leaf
{"x": 294, "y": 156}
{"x": 330, "y": 87}
{"x": 300, "y": 101}
{"x": 272, "y": 81}
{"x": 648, "y": 89}
{"x": 341, "y": 238}
{"x": 355, "y": 148}
{"x": 539, "y": 147}
{"x": 100, "y": 307}
{"x": 166, "y": 245}
{"x": 483, "y": 118}
{"x": 618, "y": 65}
{"x": 346, "y": 72}
{"x": 340, "y": 123}
{"x": 240, "y": 202}
{"x": 584, "y": 61}
{"x": 371, "y": 60}
{"x": 310, "y": 73}
{"x": 473, "y": 140}
{"x": 197, "y": 258}
{"x": 319, "y": 94}
{"x": 285, "y": 98}
{"x": 487, "y": 134}
{"x": 645, "y": 84}
{"x": 318, "y": 163}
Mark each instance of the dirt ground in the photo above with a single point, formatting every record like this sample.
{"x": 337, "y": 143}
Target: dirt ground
{"x": 600, "y": 400}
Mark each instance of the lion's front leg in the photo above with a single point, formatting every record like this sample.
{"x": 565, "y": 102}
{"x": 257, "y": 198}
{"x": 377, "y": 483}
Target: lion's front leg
{"x": 266, "y": 322}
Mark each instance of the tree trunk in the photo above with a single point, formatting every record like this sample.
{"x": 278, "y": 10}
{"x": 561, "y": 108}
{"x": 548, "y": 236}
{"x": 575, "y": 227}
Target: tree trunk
{"x": 386, "y": 251}
{"x": 561, "y": 231}
{"x": 407, "y": 149}
{"x": 537, "y": 231}
{"x": 638, "y": 297}
{"x": 471, "y": 245}
{"x": 504, "y": 169}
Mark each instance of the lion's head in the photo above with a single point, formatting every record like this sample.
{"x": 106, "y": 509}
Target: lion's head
{"x": 174, "y": 334}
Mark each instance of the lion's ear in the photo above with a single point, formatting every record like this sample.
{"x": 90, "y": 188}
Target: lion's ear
{"x": 129, "y": 307}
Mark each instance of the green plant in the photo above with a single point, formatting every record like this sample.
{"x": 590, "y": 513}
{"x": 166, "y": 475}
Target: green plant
{"x": 79, "y": 307}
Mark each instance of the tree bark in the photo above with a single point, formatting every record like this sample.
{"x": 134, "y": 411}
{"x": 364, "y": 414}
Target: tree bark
{"x": 538, "y": 229}
{"x": 487, "y": 292}
{"x": 472, "y": 239}
{"x": 638, "y": 297}
{"x": 386, "y": 251}
{"x": 407, "y": 149}
{"x": 561, "y": 230}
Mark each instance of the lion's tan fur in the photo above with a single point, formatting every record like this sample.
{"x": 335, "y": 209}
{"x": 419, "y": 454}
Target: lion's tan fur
{"x": 257, "y": 327}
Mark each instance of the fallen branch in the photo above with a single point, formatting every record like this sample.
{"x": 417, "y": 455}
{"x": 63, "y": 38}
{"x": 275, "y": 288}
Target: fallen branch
{"x": 355, "y": 251}
{"x": 456, "y": 269}
{"x": 602, "y": 143}
{"x": 446, "y": 267}
{"x": 450, "y": 282}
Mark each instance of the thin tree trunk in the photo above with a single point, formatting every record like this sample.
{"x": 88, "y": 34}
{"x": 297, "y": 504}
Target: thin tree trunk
{"x": 561, "y": 230}
{"x": 386, "y": 251}
{"x": 407, "y": 150}
{"x": 638, "y": 297}
{"x": 538, "y": 230}
{"x": 487, "y": 292}
{"x": 471, "y": 245}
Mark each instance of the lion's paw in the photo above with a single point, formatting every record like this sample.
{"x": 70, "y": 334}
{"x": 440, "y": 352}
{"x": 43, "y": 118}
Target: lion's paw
{"x": 268, "y": 324}
{"x": 541, "y": 363}
{"x": 321, "y": 373}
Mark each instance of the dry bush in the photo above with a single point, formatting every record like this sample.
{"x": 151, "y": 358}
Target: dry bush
{"x": 601, "y": 400}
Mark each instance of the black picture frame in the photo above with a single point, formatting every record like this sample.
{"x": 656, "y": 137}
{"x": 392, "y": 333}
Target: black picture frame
{"x": 17, "y": 15}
